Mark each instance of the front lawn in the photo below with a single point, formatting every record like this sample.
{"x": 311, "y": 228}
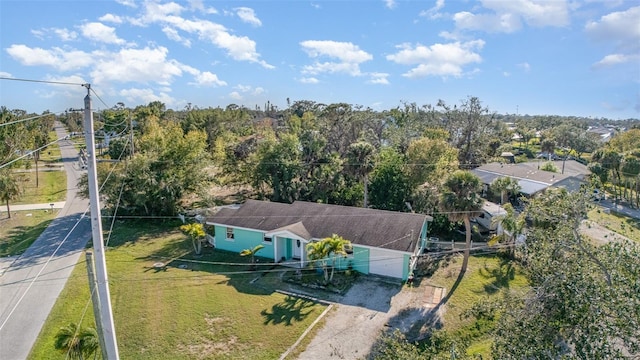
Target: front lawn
{"x": 484, "y": 281}
{"x": 24, "y": 227}
{"x": 170, "y": 304}
{"x": 617, "y": 223}
{"x": 52, "y": 187}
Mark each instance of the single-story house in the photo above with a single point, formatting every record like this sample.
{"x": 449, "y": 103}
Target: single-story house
{"x": 384, "y": 243}
{"x": 533, "y": 180}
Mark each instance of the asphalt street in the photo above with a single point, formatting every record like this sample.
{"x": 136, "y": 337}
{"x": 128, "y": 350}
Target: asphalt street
{"x": 31, "y": 283}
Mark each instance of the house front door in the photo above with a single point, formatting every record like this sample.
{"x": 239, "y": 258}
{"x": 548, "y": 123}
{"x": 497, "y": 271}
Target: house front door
{"x": 297, "y": 249}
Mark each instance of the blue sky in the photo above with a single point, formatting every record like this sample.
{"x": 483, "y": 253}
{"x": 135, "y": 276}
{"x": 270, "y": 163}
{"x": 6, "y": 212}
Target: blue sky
{"x": 574, "y": 57}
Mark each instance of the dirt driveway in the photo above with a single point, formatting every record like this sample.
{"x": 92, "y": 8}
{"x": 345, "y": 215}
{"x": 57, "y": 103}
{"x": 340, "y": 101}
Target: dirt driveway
{"x": 369, "y": 307}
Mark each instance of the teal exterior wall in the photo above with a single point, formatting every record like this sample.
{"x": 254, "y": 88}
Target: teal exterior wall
{"x": 361, "y": 259}
{"x": 405, "y": 266}
{"x": 243, "y": 239}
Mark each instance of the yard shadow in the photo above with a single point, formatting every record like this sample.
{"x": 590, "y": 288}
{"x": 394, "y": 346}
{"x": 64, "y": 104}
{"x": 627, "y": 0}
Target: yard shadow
{"x": 20, "y": 238}
{"x": 501, "y": 275}
{"x": 291, "y": 309}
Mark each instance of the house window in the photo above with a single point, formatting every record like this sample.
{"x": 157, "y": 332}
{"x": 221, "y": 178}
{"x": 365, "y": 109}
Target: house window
{"x": 229, "y": 233}
{"x": 268, "y": 239}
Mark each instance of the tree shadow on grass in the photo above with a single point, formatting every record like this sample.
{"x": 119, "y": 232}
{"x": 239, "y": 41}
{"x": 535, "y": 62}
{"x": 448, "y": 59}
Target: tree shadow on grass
{"x": 501, "y": 275}
{"x": 20, "y": 238}
{"x": 291, "y": 309}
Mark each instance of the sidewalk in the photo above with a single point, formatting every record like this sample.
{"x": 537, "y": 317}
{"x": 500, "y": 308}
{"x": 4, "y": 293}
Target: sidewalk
{"x": 44, "y": 206}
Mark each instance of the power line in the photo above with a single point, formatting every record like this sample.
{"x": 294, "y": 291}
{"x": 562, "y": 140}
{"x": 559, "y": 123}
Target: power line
{"x": 41, "y": 81}
{"x": 27, "y": 119}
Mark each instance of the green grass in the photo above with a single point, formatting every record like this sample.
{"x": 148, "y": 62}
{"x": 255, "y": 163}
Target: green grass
{"x": 19, "y": 232}
{"x": 485, "y": 278}
{"x": 52, "y": 187}
{"x": 617, "y": 223}
{"x": 195, "y": 308}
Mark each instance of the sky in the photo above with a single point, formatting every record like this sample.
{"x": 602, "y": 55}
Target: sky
{"x": 550, "y": 57}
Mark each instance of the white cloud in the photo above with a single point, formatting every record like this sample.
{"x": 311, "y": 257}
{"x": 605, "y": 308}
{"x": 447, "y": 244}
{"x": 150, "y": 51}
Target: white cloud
{"x": 618, "y": 28}
{"x": 506, "y": 74}
{"x": 378, "y": 78}
{"x": 508, "y": 16}
{"x": 349, "y": 57}
{"x": 175, "y": 36}
{"x": 65, "y": 34}
{"x": 137, "y": 65}
{"x": 390, "y": 4}
{"x": 60, "y": 59}
{"x": 111, "y": 18}
{"x": 309, "y": 80}
{"x": 248, "y": 89}
{"x": 129, "y": 3}
{"x": 5, "y": 74}
{"x": 248, "y": 15}
{"x": 616, "y": 59}
{"x": 239, "y": 48}
{"x": 434, "y": 12}
{"x": 100, "y": 33}
{"x": 525, "y": 66}
{"x": 235, "y": 95}
{"x": 145, "y": 96}
{"x": 62, "y": 33}
{"x": 438, "y": 59}
{"x": 207, "y": 78}
{"x": 199, "y": 5}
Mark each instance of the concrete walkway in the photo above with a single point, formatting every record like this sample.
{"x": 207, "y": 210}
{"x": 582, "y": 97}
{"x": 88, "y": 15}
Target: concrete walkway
{"x": 31, "y": 283}
{"x": 45, "y": 206}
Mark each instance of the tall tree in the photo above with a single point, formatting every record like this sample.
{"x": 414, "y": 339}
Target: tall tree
{"x": 461, "y": 201}
{"x": 360, "y": 162}
{"x": 9, "y": 188}
{"x": 390, "y": 185}
{"x": 471, "y": 128}
{"x": 512, "y": 226}
{"x": 584, "y": 299}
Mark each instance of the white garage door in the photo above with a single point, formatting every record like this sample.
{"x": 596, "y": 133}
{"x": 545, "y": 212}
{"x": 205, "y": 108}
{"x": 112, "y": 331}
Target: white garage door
{"x": 387, "y": 263}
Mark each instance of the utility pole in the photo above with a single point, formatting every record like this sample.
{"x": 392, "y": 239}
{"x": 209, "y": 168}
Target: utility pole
{"x": 106, "y": 314}
{"x": 96, "y": 303}
{"x": 131, "y": 134}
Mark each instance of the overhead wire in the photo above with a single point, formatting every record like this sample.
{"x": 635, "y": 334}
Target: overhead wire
{"x": 29, "y": 118}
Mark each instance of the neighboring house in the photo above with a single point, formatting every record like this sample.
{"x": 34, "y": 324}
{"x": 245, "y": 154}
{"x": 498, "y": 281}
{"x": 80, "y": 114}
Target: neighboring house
{"x": 533, "y": 180}
{"x": 605, "y": 133}
{"x": 489, "y": 212}
{"x": 383, "y": 242}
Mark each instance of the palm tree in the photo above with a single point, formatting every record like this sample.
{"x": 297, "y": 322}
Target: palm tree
{"x": 318, "y": 251}
{"x": 252, "y": 253}
{"x": 461, "y": 201}
{"x": 333, "y": 247}
{"x": 195, "y": 231}
{"x": 505, "y": 185}
{"x": 9, "y": 188}
{"x": 76, "y": 343}
{"x": 360, "y": 155}
{"x": 512, "y": 226}
{"x": 336, "y": 245}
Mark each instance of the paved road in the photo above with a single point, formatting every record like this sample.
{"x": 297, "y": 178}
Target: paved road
{"x": 624, "y": 210}
{"x": 30, "y": 285}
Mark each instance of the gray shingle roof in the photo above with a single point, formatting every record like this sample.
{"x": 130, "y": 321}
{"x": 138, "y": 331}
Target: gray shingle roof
{"x": 376, "y": 228}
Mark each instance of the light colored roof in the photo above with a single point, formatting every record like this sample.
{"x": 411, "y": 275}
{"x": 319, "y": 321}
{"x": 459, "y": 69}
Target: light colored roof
{"x": 530, "y": 178}
{"x": 493, "y": 208}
